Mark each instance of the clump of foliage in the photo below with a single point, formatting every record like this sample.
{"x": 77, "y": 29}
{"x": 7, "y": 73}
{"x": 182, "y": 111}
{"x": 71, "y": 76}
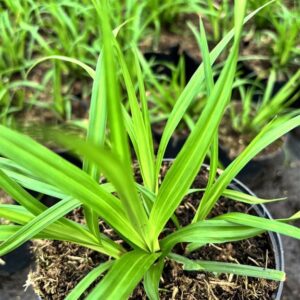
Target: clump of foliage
{"x": 269, "y": 34}
{"x": 254, "y": 111}
{"x": 33, "y": 29}
{"x": 138, "y": 213}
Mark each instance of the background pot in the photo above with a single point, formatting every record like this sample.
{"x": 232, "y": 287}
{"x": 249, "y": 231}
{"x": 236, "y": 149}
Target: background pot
{"x": 16, "y": 260}
{"x": 172, "y": 56}
{"x": 259, "y": 167}
{"x": 296, "y": 133}
{"x": 174, "y": 146}
{"x": 49, "y": 200}
{"x": 293, "y": 142}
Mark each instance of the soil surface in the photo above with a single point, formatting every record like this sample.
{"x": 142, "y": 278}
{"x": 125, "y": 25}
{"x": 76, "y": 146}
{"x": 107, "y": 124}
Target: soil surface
{"x": 285, "y": 182}
{"x": 179, "y": 284}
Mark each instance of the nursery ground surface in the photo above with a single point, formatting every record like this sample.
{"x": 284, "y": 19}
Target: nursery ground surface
{"x": 284, "y": 182}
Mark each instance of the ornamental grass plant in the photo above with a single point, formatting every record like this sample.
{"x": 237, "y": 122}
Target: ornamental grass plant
{"x": 137, "y": 212}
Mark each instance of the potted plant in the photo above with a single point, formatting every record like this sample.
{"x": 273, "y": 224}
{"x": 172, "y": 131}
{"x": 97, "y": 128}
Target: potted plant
{"x": 170, "y": 35}
{"x": 144, "y": 232}
{"x": 219, "y": 18}
{"x": 268, "y": 38}
{"x": 246, "y": 118}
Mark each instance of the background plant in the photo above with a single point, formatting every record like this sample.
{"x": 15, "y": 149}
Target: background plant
{"x": 220, "y": 17}
{"x": 163, "y": 91}
{"x": 34, "y": 29}
{"x": 285, "y": 50}
{"x": 250, "y": 115}
{"x": 269, "y": 35}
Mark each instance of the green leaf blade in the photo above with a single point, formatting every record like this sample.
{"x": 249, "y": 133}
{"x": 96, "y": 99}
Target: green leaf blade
{"x": 123, "y": 276}
{"x": 84, "y": 284}
{"x": 229, "y": 268}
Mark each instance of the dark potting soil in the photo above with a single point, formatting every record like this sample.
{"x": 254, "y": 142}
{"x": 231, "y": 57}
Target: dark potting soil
{"x": 60, "y": 265}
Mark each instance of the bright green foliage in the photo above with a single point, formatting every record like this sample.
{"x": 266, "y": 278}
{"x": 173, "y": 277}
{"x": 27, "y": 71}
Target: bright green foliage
{"x": 32, "y": 29}
{"x": 285, "y": 49}
{"x": 137, "y": 211}
{"x": 278, "y": 33}
{"x": 220, "y": 18}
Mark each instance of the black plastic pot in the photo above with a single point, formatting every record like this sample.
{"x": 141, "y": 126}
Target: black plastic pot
{"x": 293, "y": 143}
{"x": 67, "y": 155}
{"x": 172, "y": 55}
{"x": 16, "y": 260}
{"x": 174, "y": 146}
{"x": 249, "y": 72}
{"x": 296, "y": 133}
{"x": 255, "y": 170}
{"x": 275, "y": 238}
{"x": 258, "y": 167}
